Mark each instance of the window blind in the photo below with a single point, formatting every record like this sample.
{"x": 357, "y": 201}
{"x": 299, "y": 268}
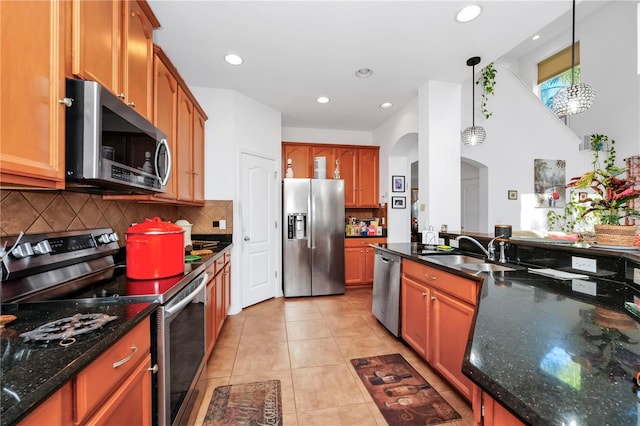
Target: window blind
{"x": 557, "y": 64}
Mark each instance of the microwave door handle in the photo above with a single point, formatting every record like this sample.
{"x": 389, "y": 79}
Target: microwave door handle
{"x": 164, "y": 143}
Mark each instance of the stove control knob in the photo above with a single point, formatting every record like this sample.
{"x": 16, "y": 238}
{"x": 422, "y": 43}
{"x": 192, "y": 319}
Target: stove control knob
{"x": 113, "y": 237}
{"x": 43, "y": 247}
{"x": 23, "y": 250}
{"x": 104, "y": 239}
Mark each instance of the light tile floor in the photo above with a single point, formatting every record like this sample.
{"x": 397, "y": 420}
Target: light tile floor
{"x": 308, "y": 343}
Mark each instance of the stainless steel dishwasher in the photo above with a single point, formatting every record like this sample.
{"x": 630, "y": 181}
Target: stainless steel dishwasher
{"x": 386, "y": 290}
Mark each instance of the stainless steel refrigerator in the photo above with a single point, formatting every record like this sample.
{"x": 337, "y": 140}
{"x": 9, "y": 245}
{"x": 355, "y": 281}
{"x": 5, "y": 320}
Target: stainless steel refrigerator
{"x": 313, "y": 237}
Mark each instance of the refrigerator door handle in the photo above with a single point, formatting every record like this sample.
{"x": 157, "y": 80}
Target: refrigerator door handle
{"x": 311, "y": 238}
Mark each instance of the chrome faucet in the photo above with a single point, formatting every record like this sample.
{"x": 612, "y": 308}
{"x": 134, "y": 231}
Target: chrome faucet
{"x": 491, "y": 252}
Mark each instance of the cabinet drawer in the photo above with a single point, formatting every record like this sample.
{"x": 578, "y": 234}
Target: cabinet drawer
{"x": 95, "y": 383}
{"x": 454, "y": 285}
{"x": 363, "y": 242}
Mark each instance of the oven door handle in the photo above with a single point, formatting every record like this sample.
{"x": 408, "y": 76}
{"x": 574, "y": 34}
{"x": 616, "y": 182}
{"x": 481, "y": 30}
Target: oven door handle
{"x": 173, "y": 309}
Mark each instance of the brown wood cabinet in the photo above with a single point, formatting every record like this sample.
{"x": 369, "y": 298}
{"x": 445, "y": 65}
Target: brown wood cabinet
{"x": 57, "y": 410}
{"x": 359, "y": 168}
{"x": 488, "y": 412}
{"x": 115, "y": 389}
{"x": 358, "y": 261}
{"x": 218, "y": 298}
{"x": 437, "y": 312}
{"x": 32, "y": 83}
{"x": 113, "y": 44}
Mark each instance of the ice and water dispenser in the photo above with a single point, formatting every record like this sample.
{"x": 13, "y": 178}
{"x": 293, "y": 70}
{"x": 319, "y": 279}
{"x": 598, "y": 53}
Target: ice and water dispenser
{"x": 297, "y": 225}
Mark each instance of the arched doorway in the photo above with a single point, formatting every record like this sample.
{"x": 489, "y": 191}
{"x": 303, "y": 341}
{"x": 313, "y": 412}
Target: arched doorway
{"x": 404, "y": 155}
{"x": 473, "y": 196}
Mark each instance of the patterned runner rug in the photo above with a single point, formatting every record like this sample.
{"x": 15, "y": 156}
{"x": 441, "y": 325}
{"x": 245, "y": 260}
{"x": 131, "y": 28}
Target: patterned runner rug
{"x": 401, "y": 394}
{"x": 257, "y": 403}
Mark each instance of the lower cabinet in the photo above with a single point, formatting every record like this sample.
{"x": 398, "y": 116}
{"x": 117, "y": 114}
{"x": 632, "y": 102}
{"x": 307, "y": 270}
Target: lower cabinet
{"x": 358, "y": 261}
{"x": 437, "y": 312}
{"x": 218, "y": 299}
{"x": 115, "y": 389}
{"x": 488, "y": 412}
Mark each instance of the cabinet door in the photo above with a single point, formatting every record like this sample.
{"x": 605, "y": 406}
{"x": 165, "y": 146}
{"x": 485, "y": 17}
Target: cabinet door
{"x": 197, "y": 157}
{"x": 300, "y": 155}
{"x": 130, "y": 404}
{"x": 354, "y": 261}
{"x": 368, "y": 179}
{"x": 496, "y": 415}
{"x": 227, "y": 289}
{"x": 219, "y": 301}
{"x": 329, "y": 152}
{"x": 348, "y": 172}
{"x": 165, "y": 113}
{"x": 96, "y": 42}
{"x": 369, "y": 258}
{"x": 55, "y": 411}
{"x": 450, "y": 324}
{"x": 415, "y": 315}
{"x": 32, "y": 83}
{"x": 184, "y": 142}
{"x": 137, "y": 42}
{"x": 210, "y": 316}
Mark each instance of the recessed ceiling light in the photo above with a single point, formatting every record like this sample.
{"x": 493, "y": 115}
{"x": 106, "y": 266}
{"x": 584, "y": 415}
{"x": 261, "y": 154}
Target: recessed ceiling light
{"x": 233, "y": 59}
{"x": 386, "y": 105}
{"x": 364, "y": 73}
{"x": 535, "y": 37}
{"x": 322, "y": 100}
{"x": 468, "y": 13}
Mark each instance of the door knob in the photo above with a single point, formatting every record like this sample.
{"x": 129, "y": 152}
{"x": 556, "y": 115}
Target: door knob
{"x": 247, "y": 238}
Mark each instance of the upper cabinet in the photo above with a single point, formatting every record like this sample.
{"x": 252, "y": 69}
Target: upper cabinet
{"x": 112, "y": 43}
{"x": 359, "y": 168}
{"x": 32, "y": 108}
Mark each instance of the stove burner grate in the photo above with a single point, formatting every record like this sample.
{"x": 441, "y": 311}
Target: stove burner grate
{"x": 64, "y": 329}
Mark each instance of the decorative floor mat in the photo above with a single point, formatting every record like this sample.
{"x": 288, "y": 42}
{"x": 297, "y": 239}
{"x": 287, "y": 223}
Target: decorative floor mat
{"x": 257, "y": 403}
{"x": 401, "y": 394}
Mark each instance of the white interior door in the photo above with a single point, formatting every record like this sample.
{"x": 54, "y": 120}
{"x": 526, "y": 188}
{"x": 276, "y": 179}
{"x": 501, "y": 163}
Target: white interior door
{"x": 257, "y": 207}
{"x": 470, "y": 205}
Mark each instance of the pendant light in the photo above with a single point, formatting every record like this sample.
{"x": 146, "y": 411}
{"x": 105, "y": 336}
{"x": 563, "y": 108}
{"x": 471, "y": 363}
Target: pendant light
{"x": 473, "y": 135}
{"x": 576, "y": 98}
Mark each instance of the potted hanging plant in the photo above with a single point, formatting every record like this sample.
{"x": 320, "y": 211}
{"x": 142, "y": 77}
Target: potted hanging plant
{"x": 488, "y": 81}
{"x": 611, "y": 195}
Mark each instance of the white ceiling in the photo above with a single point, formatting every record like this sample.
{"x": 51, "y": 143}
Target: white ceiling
{"x": 295, "y": 51}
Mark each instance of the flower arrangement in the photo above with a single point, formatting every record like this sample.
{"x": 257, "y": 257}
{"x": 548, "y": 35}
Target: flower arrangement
{"x": 611, "y": 193}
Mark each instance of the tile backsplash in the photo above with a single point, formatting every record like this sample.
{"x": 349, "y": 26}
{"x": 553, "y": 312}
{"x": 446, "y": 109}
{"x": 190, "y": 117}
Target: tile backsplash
{"x": 46, "y": 211}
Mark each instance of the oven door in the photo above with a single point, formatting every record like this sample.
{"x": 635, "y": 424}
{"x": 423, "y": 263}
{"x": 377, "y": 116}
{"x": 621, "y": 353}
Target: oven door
{"x": 180, "y": 350}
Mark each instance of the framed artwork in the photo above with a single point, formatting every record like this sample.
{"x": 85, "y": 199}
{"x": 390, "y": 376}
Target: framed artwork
{"x": 582, "y": 196}
{"x": 397, "y": 183}
{"x": 549, "y": 182}
{"x": 399, "y": 202}
{"x": 512, "y": 194}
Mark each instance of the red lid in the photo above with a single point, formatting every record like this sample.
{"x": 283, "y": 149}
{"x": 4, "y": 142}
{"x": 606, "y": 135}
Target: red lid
{"x": 155, "y": 226}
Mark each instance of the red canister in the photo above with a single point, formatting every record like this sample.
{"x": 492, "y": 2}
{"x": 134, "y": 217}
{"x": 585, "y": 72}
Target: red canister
{"x": 155, "y": 249}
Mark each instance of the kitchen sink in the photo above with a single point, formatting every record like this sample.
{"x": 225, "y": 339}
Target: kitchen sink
{"x": 453, "y": 259}
{"x": 484, "y": 267}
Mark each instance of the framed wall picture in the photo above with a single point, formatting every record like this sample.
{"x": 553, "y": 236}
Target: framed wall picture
{"x": 398, "y": 202}
{"x": 512, "y": 194}
{"x": 582, "y": 197}
{"x": 397, "y": 183}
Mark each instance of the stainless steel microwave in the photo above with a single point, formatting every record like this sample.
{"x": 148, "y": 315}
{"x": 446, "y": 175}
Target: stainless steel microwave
{"x": 110, "y": 147}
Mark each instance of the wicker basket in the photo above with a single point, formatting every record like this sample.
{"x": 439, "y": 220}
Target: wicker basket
{"x": 615, "y": 235}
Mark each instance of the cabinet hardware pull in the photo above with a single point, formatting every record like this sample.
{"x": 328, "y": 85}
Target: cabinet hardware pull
{"x": 433, "y": 298}
{"x": 132, "y": 104}
{"x": 134, "y": 349}
{"x": 153, "y": 369}
{"x": 68, "y": 102}
{"x": 424, "y": 294}
{"x": 121, "y": 95}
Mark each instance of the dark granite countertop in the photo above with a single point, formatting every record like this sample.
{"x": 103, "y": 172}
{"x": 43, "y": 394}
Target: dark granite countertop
{"x": 547, "y": 353}
{"x": 32, "y": 370}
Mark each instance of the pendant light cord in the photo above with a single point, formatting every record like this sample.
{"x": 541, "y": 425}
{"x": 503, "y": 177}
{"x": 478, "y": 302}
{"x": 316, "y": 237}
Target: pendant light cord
{"x": 573, "y": 43}
{"x": 473, "y": 97}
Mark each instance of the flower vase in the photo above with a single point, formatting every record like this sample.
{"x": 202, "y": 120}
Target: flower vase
{"x": 615, "y": 235}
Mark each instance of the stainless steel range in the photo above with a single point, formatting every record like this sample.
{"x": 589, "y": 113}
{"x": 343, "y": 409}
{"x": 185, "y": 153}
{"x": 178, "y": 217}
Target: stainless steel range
{"x": 81, "y": 265}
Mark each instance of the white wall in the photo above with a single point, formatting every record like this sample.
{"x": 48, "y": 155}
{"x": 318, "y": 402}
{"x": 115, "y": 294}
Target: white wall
{"x": 237, "y": 123}
{"x": 346, "y": 137}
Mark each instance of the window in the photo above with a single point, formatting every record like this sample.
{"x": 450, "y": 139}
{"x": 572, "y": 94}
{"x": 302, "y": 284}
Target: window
{"x": 554, "y": 73}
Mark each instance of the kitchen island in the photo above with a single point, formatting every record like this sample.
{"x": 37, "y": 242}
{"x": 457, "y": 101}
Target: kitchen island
{"x": 553, "y": 351}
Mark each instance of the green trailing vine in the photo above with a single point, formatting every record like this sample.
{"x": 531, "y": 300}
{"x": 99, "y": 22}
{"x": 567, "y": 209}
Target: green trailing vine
{"x": 488, "y": 81}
